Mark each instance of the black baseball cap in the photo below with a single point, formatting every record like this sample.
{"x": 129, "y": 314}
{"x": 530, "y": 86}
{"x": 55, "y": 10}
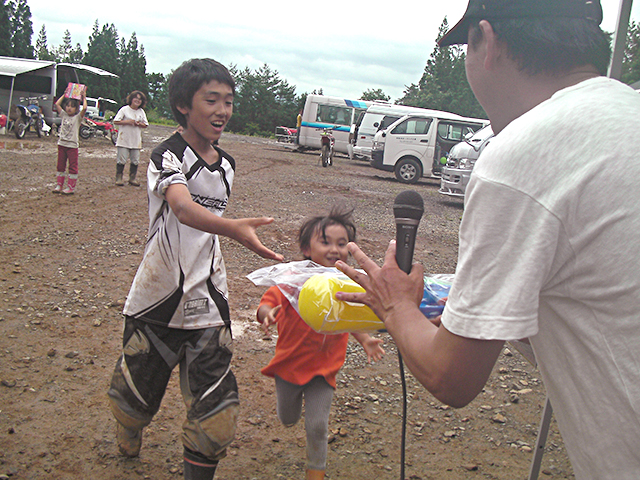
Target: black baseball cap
{"x": 508, "y": 9}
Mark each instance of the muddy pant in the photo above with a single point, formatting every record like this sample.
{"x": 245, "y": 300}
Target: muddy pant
{"x": 209, "y": 389}
{"x": 318, "y": 395}
{"x": 125, "y": 154}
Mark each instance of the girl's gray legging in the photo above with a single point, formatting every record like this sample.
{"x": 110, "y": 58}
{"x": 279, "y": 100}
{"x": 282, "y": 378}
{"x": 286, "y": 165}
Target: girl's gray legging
{"x": 318, "y": 395}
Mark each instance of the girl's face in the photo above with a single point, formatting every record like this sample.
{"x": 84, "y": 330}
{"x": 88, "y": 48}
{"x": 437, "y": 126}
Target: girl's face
{"x": 70, "y": 109}
{"x": 136, "y": 102}
{"x": 328, "y": 249}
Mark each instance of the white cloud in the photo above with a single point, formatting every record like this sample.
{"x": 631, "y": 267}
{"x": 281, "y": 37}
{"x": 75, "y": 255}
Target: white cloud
{"x": 344, "y": 48}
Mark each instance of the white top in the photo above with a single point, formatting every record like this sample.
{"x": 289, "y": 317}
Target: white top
{"x": 549, "y": 249}
{"x": 69, "y": 128}
{"x": 130, "y": 136}
{"x": 182, "y": 280}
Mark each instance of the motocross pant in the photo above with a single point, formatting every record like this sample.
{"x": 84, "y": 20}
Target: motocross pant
{"x": 209, "y": 388}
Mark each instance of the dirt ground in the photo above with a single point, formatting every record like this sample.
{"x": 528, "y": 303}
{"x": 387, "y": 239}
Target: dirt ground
{"x": 68, "y": 262}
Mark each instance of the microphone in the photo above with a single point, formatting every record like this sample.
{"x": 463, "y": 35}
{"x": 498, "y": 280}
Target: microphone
{"x": 408, "y": 208}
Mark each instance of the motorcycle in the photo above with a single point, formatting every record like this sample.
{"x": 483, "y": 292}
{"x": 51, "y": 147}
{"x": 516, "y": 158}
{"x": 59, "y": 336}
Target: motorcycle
{"x": 28, "y": 116}
{"x": 92, "y": 127}
{"x": 327, "y": 141}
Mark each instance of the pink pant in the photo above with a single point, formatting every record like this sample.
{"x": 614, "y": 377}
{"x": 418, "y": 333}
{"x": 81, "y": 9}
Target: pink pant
{"x": 65, "y": 153}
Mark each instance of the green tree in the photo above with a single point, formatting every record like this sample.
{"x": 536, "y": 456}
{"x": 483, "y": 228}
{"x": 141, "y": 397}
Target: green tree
{"x": 21, "y": 28}
{"x": 6, "y": 48}
{"x": 372, "y": 95}
{"x": 443, "y": 85}
{"x": 263, "y": 101}
{"x": 159, "y": 94}
{"x": 133, "y": 67}
{"x": 42, "y": 50}
{"x": 103, "y": 52}
{"x": 631, "y": 58}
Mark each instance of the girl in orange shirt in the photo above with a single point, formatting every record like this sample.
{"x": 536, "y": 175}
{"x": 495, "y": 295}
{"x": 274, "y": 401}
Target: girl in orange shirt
{"x": 306, "y": 363}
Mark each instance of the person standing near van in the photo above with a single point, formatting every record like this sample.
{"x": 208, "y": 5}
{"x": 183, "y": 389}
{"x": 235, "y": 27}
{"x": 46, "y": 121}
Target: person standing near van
{"x": 130, "y": 120}
{"x": 547, "y": 240}
{"x": 71, "y": 113}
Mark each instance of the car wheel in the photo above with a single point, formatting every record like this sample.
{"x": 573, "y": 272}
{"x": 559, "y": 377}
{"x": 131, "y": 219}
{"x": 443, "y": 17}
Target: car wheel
{"x": 408, "y": 170}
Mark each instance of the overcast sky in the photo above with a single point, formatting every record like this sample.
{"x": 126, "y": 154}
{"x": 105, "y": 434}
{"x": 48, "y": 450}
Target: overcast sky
{"x": 342, "y": 47}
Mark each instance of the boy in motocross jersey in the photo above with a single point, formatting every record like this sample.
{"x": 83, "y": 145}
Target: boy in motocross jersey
{"x": 177, "y": 310}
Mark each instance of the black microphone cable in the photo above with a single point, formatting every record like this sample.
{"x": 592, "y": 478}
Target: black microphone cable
{"x": 408, "y": 208}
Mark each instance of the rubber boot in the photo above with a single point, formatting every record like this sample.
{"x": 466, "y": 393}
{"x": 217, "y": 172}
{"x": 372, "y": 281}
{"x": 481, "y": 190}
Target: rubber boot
{"x": 198, "y": 467}
{"x": 71, "y": 185}
{"x": 133, "y": 171}
{"x": 315, "y": 474}
{"x": 119, "y": 173}
{"x": 59, "y": 183}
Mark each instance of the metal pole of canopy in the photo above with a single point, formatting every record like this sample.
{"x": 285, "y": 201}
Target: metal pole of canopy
{"x": 620, "y": 39}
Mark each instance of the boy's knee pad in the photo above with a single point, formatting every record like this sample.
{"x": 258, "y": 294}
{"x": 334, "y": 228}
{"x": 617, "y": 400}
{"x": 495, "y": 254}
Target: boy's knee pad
{"x": 124, "y": 413}
{"x": 212, "y": 433}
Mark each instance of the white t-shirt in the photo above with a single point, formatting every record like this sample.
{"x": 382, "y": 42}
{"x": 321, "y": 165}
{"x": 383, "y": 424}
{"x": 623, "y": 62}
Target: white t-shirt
{"x": 69, "y": 129}
{"x": 182, "y": 280}
{"x": 549, "y": 249}
{"x": 130, "y": 136}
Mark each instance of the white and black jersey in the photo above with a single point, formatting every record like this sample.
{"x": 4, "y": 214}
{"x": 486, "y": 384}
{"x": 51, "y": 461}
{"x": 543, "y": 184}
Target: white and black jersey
{"x": 182, "y": 281}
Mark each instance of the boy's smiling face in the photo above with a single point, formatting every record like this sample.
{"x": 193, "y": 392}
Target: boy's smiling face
{"x": 210, "y": 111}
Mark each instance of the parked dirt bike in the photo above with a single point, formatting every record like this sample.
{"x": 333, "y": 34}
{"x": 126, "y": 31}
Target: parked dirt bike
{"x": 326, "y": 152}
{"x": 29, "y": 115}
{"x": 91, "y": 128}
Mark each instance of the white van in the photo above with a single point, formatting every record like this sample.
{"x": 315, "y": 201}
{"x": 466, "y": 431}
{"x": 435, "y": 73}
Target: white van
{"x": 377, "y": 117}
{"x": 461, "y": 160}
{"x": 414, "y": 144}
{"x": 335, "y": 113}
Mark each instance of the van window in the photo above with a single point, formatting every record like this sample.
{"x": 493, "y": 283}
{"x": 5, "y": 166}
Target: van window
{"x": 419, "y": 126}
{"x": 387, "y": 120}
{"x": 333, "y": 114}
{"x": 453, "y": 132}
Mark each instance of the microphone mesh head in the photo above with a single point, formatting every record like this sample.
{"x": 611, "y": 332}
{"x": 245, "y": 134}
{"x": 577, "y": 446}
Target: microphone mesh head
{"x": 408, "y": 204}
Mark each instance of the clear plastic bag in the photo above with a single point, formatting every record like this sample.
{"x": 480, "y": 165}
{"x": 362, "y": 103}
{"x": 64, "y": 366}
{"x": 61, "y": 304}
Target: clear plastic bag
{"x": 311, "y": 289}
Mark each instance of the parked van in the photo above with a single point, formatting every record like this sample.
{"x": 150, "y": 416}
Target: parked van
{"x": 461, "y": 160}
{"x": 377, "y": 117}
{"x": 412, "y": 145}
{"x": 338, "y": 114}
{"x": 21, "y": 77}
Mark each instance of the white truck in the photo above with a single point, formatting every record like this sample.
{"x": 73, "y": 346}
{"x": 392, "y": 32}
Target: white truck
{"x": 414, "y": 146}
{"x": 377, "y": 117}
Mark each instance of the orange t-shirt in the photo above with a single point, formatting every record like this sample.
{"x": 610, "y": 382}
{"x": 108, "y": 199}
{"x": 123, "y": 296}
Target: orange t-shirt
{"x": 301, "y": 352}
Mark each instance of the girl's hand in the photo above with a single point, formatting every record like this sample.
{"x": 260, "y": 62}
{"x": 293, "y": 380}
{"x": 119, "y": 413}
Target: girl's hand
{"x": 373, "y": 348}
{"x": 270, "y": 319}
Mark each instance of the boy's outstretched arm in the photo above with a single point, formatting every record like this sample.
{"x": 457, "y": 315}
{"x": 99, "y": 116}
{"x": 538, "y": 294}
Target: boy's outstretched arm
{"x": 372, "y": 346}
{"x": 242, "y": 230}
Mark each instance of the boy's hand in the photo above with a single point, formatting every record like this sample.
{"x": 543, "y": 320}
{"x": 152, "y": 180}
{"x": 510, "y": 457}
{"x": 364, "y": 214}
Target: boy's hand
{"x": 244, "y": 232}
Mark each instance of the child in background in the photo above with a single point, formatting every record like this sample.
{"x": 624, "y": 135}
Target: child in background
{"x": 177, "y": 310}
{"x": 306, "y": 363}
{"x": 69, "y": 110}
{"x": 130, "y": 120}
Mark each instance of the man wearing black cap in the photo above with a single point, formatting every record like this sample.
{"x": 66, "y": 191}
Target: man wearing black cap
{"x": 549, "y": 237}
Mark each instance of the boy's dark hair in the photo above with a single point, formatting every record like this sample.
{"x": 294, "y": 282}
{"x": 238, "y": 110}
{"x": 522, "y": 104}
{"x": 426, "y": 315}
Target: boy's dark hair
{"x": 337, "y": 216}
{"x": 187, "y": 79}
{"x": 550, "y": 45}
{"x": 134, "y": 94}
